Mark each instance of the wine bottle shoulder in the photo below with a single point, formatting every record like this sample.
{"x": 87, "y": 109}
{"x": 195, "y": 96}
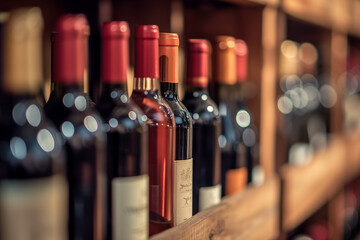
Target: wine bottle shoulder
{"x": 155, "y": 108}
{"x": 76, "y": 117}
{"x": 201, "y": 107}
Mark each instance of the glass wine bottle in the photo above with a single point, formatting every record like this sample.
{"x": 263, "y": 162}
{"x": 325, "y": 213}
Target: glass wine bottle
{"x": 161, "y": 124}
{"x": 81, "y": 126}
{"x": 128, "y": 183}
{"x": 183, "y": 168}
{"x": 206, "y": 128}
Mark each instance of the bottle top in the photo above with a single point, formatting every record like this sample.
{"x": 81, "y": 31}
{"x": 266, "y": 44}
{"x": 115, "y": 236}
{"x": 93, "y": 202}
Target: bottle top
{"x": 147, "y": 32}
{"x": 115, "y": 29}
{"x": 69, "y": 53}
{"x": 197, "y": 63}
{"x": 225, "y": 60}
{"x": 169, "y": 39}
{"x": 169, "y": 57}
{"x": 147, "y": 51}
{"x": 241, "y": 60}
{"x": 115, "y": 52}
{"x": 22, "y": 48}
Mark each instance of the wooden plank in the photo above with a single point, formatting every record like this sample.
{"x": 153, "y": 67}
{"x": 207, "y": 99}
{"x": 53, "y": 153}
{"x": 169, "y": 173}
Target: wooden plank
{"x": 355, "y": 17}
{"x": 307, "y": 188}
{"x": 337, "y": 69}
{"x": 273, "y": 3}
{"x": 252, "y": 214}
{"x": 318, "y": 12}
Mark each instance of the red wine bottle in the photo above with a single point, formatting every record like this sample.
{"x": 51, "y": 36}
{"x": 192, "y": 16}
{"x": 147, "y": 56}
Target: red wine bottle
{"x": 33, "y": 185}
{"x": 81, "y": 126}
{"x": 127, "y": 178}
{"x": 161, "y": 124}
{"x": 247, "y": 133}
{"x": 206, "y": 127}
{"x": 183, "y": 169}
{"x": 233, "y": 152}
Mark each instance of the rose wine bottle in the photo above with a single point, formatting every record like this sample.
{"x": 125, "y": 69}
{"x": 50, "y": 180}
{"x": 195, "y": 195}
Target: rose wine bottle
{"x": 161, "y": 125}
{"x": 233, "y": 152}
{"x": 243, "y": 116}
{"x": 183, "y": 168}
{"x": 33, "y": 185}
{"x": 81, "y": 127}
{"x": 206, "y": 127}
{"x": 127, "y": 140}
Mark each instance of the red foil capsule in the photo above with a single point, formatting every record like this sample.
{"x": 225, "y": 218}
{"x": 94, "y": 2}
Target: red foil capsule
{"x": 241, "y": 60}
{"x": 115, "y": 52}
{"x": 197, "y": 63}
{"x": 147, "y": 51}
{"x": 69, "y": 44}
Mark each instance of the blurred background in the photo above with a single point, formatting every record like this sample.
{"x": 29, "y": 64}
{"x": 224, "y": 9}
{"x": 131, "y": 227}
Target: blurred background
{"x": 302, "y": 89}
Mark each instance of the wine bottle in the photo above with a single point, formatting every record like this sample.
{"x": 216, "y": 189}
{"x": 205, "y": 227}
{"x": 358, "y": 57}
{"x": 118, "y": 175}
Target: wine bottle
{"x": 127, "y": 178}
{"x": 161, "y": 124}
{"x": 183, "y": 168}
{"x": 81, "y": 127}
{"x": 233, "y": 152}
{"x": 33, "y": 185}
{"x": 243, "y": 116}
{"x": 206, "y": 128}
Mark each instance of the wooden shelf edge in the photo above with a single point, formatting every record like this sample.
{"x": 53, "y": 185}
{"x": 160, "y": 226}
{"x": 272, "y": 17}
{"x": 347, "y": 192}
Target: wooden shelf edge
{"x": 306, "y": 188}
{"x": 273, "y": 3}
{"x": 252, "y": 214}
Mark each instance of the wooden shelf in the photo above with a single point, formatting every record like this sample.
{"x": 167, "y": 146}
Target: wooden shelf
{"x": 252, "y": 214}
{"x": 273, "y": 3}
{"x": 305, "y": 189}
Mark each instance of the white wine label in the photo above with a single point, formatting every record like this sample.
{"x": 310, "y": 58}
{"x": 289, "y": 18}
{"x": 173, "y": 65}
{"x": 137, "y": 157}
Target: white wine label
{"x": 34, "y": 209}
{"x": 209, "y": 196}
{"x": 183, "y": 190}
{"x": 130, "y": 208}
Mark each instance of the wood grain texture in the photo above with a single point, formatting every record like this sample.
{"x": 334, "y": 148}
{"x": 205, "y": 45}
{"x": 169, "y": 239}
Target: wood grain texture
{"x": 252, "y": 214}
{"x": 307, "y": 188}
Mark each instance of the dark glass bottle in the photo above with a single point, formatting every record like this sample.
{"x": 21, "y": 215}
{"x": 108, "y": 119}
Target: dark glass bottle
{"x": 233, "y": 152}
{"x": 183, "y": 168}
{"x": 128, "y": 183}
{"x": 161, "y": 124}
{"x": 33, "y": 185}
{"x": 81, "y": 126}
{"x": 206, "y": 128}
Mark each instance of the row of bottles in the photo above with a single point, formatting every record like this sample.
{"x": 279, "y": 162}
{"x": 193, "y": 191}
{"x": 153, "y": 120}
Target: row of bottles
{"x": 127, "y": 167}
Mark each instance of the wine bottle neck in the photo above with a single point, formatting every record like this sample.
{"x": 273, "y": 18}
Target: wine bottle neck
{"x": 169, "y": 87}
{"x": 109, "y": 88}
{"x": 61, "y": 89}
{"x": 146, "y": 83}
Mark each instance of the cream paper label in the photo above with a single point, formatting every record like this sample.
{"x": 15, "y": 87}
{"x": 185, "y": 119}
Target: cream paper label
{"x": 183, "y": 190}
{"x": 34, "y": 209}
{"x": 130, "y": 208}
{"x": 209, "y": 196}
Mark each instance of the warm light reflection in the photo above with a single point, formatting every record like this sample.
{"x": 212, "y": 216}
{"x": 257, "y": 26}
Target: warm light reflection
{"x": 80, "y": 103}
{"x": 33, "y": 115}
{"x": 285, "y": 105}
{"x": 45, "y": 140}
{"x": 243, "y": 118}
{"x": 289, "y": 49}
{"x": 90, "y": 123}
